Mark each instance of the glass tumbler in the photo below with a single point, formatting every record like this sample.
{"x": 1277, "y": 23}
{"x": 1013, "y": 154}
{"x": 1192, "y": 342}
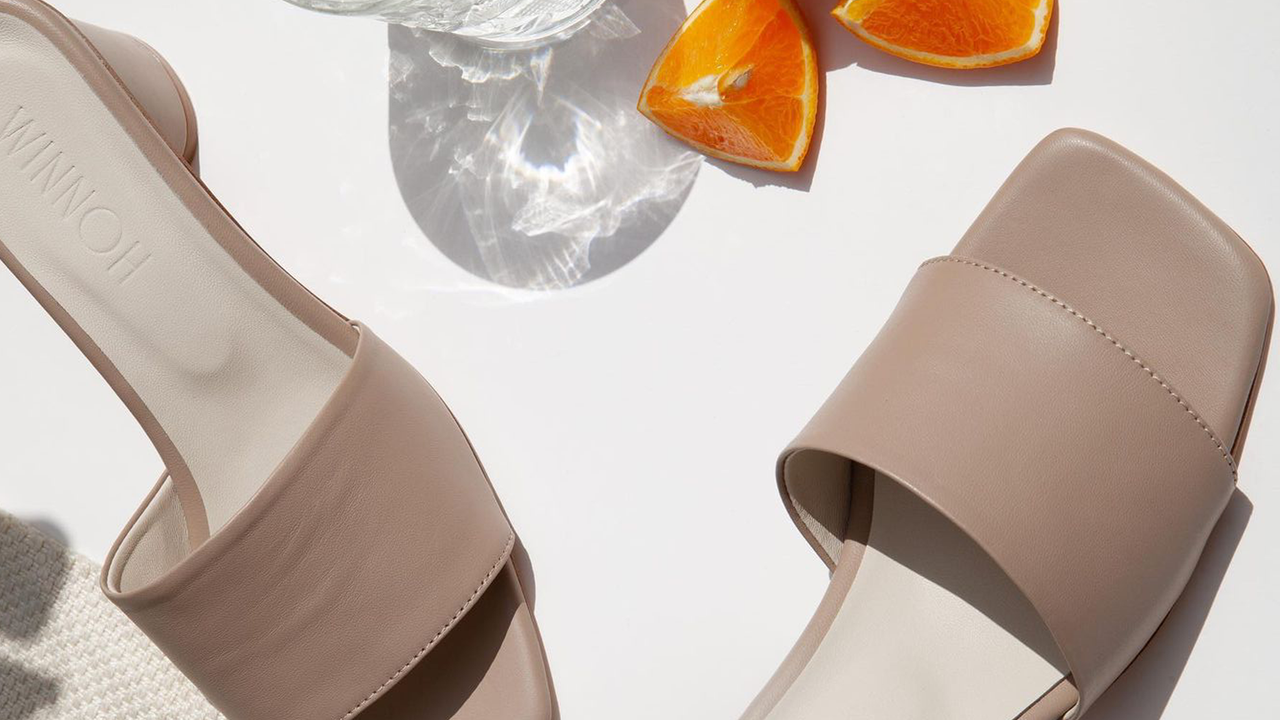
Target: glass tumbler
{"x": 494, "y": 22}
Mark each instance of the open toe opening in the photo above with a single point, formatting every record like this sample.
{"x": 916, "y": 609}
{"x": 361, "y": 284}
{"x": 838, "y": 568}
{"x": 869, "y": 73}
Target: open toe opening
{"x": 919, "y": 620}
{"x": 489, "y": 666}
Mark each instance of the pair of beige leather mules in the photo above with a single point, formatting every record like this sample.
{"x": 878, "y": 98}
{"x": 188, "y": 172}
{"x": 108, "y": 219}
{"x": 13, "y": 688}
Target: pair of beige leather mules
{"x": 1012, "y": 485}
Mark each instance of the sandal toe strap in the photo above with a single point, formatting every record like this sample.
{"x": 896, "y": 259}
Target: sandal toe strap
{"x": 1089, "y": 480}
{"x": 367, "y": 546}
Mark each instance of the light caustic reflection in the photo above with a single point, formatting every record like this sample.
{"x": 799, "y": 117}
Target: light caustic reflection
{"x": 532, "y": 168}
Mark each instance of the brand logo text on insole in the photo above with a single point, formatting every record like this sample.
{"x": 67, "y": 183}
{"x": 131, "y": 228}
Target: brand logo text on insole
{"x": 30, "y": 150}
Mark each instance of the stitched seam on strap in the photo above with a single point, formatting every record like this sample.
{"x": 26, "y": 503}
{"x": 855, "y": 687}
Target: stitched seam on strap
{"x": 511, "y": 539}
{"x": 1226, "y": 455}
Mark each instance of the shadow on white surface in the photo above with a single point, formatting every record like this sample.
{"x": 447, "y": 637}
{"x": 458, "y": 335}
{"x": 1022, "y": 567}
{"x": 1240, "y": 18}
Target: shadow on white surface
{"x": 532, "y": 168}
{"x": 1143, "y": 691}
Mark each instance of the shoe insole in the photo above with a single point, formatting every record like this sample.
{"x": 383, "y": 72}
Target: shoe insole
{"x": 231, "y": 376}
{"x": 489, "y": 668}
{"x": 930, "y": 628}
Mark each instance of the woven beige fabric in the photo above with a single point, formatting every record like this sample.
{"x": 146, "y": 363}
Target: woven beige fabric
{"x": 66, "y": 653}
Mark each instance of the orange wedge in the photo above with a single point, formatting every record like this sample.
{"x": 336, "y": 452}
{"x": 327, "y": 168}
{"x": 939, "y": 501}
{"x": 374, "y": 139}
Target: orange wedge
{"x": 739, "y": 81}
{"x": 960, "y": 34}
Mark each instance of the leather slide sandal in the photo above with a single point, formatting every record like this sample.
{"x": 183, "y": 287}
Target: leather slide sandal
{"x": 323, "y": 542}
{"x": 1015, "y": 481}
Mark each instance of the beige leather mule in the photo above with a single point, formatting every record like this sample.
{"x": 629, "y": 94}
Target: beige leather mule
{"x": 1016, "y": 479}
{"x": 324, "y": 542}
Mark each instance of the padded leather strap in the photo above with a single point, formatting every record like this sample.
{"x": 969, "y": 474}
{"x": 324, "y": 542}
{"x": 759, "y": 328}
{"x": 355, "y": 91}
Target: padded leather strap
{"x": 374, "y": 537}
{"x": 1083, "y": 474}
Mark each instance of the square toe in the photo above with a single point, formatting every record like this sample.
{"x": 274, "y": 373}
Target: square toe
{"x": 1107, "y": 233}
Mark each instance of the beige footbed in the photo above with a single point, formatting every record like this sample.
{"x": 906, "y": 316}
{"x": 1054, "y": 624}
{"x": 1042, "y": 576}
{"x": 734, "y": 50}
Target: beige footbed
{"x": 916, "y": 634}
{"x": 233, "y": 377}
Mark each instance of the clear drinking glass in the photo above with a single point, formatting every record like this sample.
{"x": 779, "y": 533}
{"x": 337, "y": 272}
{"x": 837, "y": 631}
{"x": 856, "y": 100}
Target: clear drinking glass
{"x": 496, "y": 22}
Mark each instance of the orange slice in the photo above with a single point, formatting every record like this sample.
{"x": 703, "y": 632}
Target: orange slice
{"x": 739, "y": 81}
{"x": 960, "y": 34}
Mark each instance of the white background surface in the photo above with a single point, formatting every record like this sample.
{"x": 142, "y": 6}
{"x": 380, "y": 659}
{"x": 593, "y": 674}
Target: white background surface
{"x": 631, "y": 424}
